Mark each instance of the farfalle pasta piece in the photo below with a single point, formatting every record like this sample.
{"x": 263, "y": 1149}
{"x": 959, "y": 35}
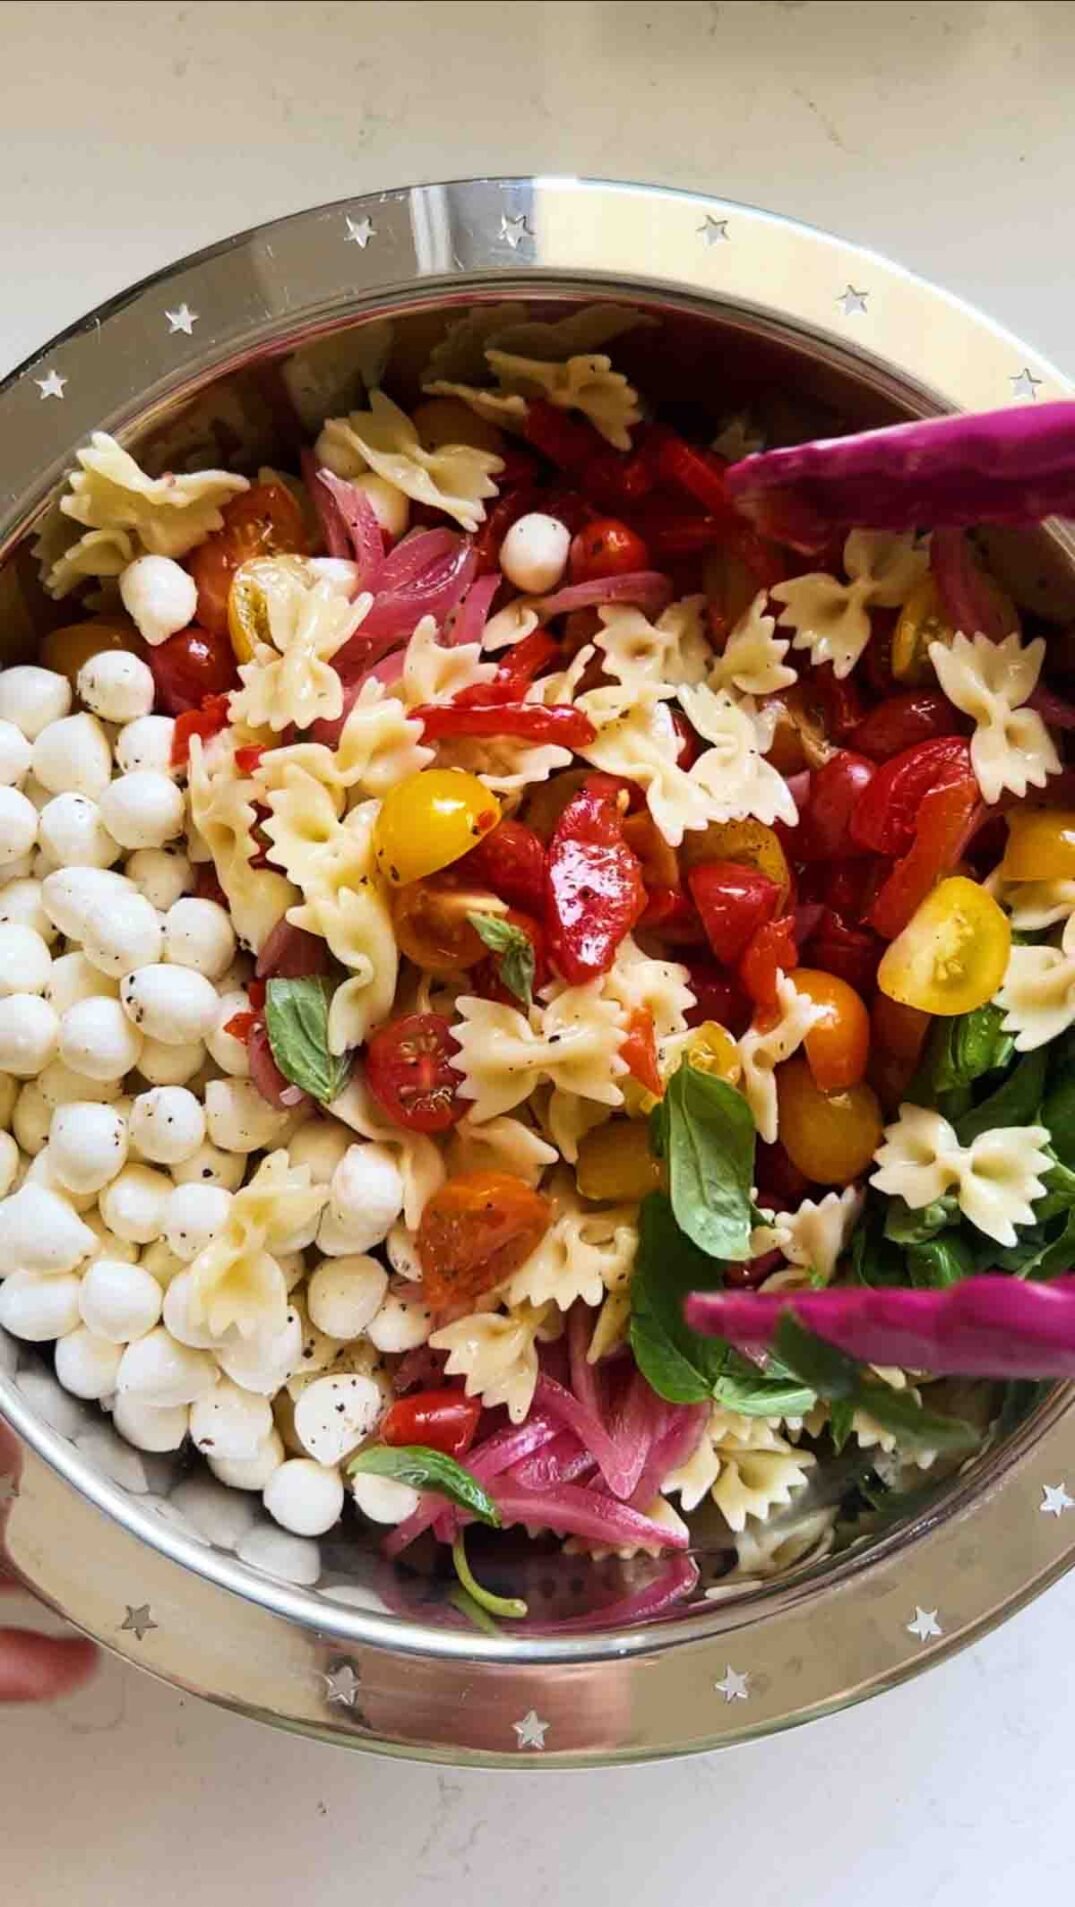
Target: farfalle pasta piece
{"x": 379, "y": 745}
{"x": 504, "y": 1054}
{"x": 753, "y": 658}
{"x": 760, "y": 1050}
{"x": 505, "y": 766}
{"x": 587, "y": 1251}
{"x": 221, "y": 805}
{"x": 500, "y": 1145}
{"x": 124, "y": 510}
{"x": 236, "y": 1283}
{"x": 1011, "y": 748}
{"x": 585, "y": 383}
{"x": 738, "y": 437}
{"x": 342, "y": 901}
{"x": 639, "y": 652}
{"x": 496, "y": 1353}
{"x": 737, "y": 780}
{"x": 434, "y": 671}
{"x": 505, "y": 409}
{"x": 1038, "y": 995}
{"x": 812, "y": 1238}
{"x": 456, "y": 478}
{"x": 460, "y": 353}
{"x": 745, "y": 1465}
{"x": 586, "y": 330}
{"x": 641, "y": 743}
{"x": 419, "y": 1161}
{"x": 638, "y": 983}
{"x": 567, "y": 1118}
{"x": 830, "y": 618}
{"x": 289, "y": 680}
{"x": 995, "y": 1179}
{"x": 1034, "y": 905}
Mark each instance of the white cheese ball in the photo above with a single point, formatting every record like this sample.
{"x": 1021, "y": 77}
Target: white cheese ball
{"x": 122, "y": 935}
{"x": 119, "y": 1301}
{"x": 345, "y": 1293}
{"x": 303, "y": 1497}
{"x": 73, "y": 755}
{"x": 18, "y": 826}
{"x": 160, "y": 1261}
{"x": 33, "y": 698}
{"x": 238, "y": 1118}
{"x": 9, "y": 1163}
{"x": 20, "y": 902}
{"x": 60, "y": 1084}
{"x": 264, "y": 1364}
{"x": 179, "y": 1313}
{"x": 37, "y": 1308}
{"x": 320, "y": 1144}
{"x": 9, "y": 1092}
{"x": 95, "y": 1037}
{"x": 336, "y": 1413}
{"x": 193, "y": 1216}
{"x": 106, "y": 1244}
{"x": 366, "y": 1194}
{"x": 163, "y": 1372}
{"x": 401, "y": 1324}
{"x": 533, "y": 554}
{"x": 72, "y": 835}
{"x": 384, "y": 1499}
{"x": 86, "y": 1365}
{"x": 40, "y": 1172}
{"x": 135, "y": 1203}
{"x": 31, "y": 1118}
{"x": 71, "y": 979}
{"x": 167, "y": 1124}
{"x": 29, "y": 1034}
{"x": 198, "y": 934}
{"x": 231, "y": 1054}
{"x": 87, "y": 1145}
{"x": 161, "y": 875}
{"x": 15, "y": 755}
{"x": 230, "y": 1423}
{"x": 147, "y": 1426}
{"x": 251, "y": 1473}
{"x": 170, "y": 1065}
{"x": 25, "y": 961}
{"x": 146, "y": 744}
{"x": 391, "y": 506}
{"x": 116, "y": 685}
{"x": 143, "y": 809}
{"x": 70, "y": 894}
{"x": 159, "y": 596}
{"x": 211, "y": 1166}
{"x": 172, "y": 1004}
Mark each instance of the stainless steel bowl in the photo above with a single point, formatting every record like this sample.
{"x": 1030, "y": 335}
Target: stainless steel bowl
{"x": 198, "y": 363}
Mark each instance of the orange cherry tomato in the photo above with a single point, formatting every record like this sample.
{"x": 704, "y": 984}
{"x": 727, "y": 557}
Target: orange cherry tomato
{"x": 430, "y": 920}
{"x": 474, "y": 1232}
{"x": 1041, "y": 845}
{"x": 750, "y": 843}
{"x": 267, "y": 520}
{"x": 65, "y": 650}
{"x": 830, "y": 1137}
{"x": 898, "y": 1029}
{"x": 836, "y": 1047}
{"x": 606, "y": 547}
{"x": 660, "y": 868}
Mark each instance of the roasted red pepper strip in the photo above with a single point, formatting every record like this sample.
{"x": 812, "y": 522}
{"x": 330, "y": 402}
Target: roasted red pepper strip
{"x": 699, "y": 472}
{"x": 511, "y": 861}
{"x": 734, "y": 901}
{"x": 772, "y": 950}
{"x": 248, "y": 757}
{"x": 240, "y": 1025}
{"x": 947, "y": 817}
{"x": 639, "y": 1049}
{"x": 884, "y": 818}
{"x": 444, "y": 1420}
{"x": 205, "y": 722}
{"x": 524, "y": 661}
{"x": 594, "y": 892}
{"x": 903, "y": 721}
{"x": 562, "y": 439}
{"x": 526, "y": 721}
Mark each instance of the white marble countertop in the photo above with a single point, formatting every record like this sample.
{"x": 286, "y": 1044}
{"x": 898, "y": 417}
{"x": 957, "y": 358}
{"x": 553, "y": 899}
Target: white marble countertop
{"x": 940, "y": 134}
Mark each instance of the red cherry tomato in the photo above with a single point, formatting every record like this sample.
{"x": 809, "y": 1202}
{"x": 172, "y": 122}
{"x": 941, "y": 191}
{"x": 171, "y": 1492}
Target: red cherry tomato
{"x": 265, "y": 521}
{"x": 593, "y": 883}
{"x": 902, "y": 722}
{"x": 511, "y": 861}
{"x": 851, "y": 953}
{"x": 605, "y": 547}
{"x": 825, "y": 831}
{"x": 780, "y": 1184}
{"x": 475, "y": 1231}
{"x": 734, "y": 901}
{"x": 191, "y": 666}
{"x": 771, "y": 950}
{"x": 886, "y": 815}
{"x": 718, "y": 996}
{"x": 409, "y": 1071}
{"x": 440, "y": 1420}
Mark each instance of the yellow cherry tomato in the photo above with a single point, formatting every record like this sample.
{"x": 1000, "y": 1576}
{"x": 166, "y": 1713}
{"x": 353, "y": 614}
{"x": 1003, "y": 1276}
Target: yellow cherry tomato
{"x": 1041, "y": 845}
{"x": 66, "y": 649}
{"x": 248, "y": 599}
{"x": 952, "y": 955}
{"x": 710, "y": 1048}
{"x": 429, "y": 820}
{"x": 750, "y": 843}
{"x": 921, "y": 621}
{"x": 448, "y": 420}
{"x": 830, "y": 1137}
{"x": 615, "y": 1162}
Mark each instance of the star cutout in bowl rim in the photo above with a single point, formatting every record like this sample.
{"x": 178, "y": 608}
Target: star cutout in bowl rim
{"x": 924, "y": 1625}
{"x": 341, "y": 1684}
{"x": 714, "y": 231}
{"x": 530, "y": 1730}
{"x": 513, "y": 231}
{"x": 1054, "y": 1499}
{"x": 138, "y": 1621}
{"x": 182, "y": 319}
{"x": 851, "y": 301}
{"x": 51, "y": 385}
{"x": 359, "y": 231}
{"x": 735, "y": 1686}
{"x": 1024, "y": 383}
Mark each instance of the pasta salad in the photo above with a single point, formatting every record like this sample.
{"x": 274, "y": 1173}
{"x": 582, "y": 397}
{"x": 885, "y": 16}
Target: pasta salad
{"x": 519, "y": 936}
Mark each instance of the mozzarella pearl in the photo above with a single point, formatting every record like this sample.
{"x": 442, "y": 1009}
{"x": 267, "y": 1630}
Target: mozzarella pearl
{"x": 159, "y": 596}
{"x": 533, "y": 554}
{"x": 177, "y": 1312}
{"x": 33, "y": 698}
{"x": 160, "y": 1261}
{"x": 40, "y": 1172}
{"x": 20, "y": 903}
{"x": 86, "y": 1365}
{"x": 238, "y": 1118}
{"x": 97, "y": 1038}
{"x": 149, "y": 1426}
{"x": 384, "y": 1499}
{"x": 161, "y": 875}
{"x": 87, "y": 1145}
{"x": 264, "y": 1364}
{"x": 70, "y": 894}
{"x": 15, "y": 754}
{"x": 116, "y": 685}
{"x": 172, "y": 1004}
{"x": 250, "y": 1473}
{"x": 29, "y": 1034}
{"x": 106, "y": 1244}
{"x": 230, "y": 1422}
{"x": 319, "y": 1145}
{"x": 9, "y": 1092}
{"x": 163, "y": 1372}
{"x": 71, "y": 834}
{"x": 199, "y": 935}
{"x": 345, "y": 1293}
{"x": 143, "y": 809}
{"x": 170, "y": 1065}
{"x": 25, "y": 961}
{"x": 210, "y": 1166}
{"x": 39, "y": 1309}
{"x": 401, "y": 1324}
{"x": 120, "y": 936}
{"x": 193, "y": 1216}
{"x": 304, "y": 1497}
{"x": 119, "y": 1301}
{"x": 391, "y": 507}
{"x": 366, "y": 1193}
{"x": 73, "y": 755}
{"x": 9, "y": 1163}
{"x": 31, "y": 1118}
{"x": 167, "y": 1124}
{"x": 334, "y": 1414}
{"x": 18, "y": 825}
{"x": 146, "y": 743}
{"x": 59, "y": 1084}
{"x": 230, "y": 1054}
{"x": 71, "y": 979}
{"x": 135, "y": 1203}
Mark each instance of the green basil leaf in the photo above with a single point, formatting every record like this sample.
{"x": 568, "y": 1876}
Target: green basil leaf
{"x": 945, "y": 1260}
{"x": 426, "y": 1469}
{"x": 904, "y": 1226}
{"x": 875, "y": 1259}
{"x": 512, "y": 950}
{"x": 1058, "y": 1113}
{"x": 965, "y": 1049}
{"x": 841, "y": 1421}
{"x": 902, "y": 1414}
{"x": 755, "y": 1393}
{"x": 838, "y": 1377}
{"x": 1015, "y": 1103}
{"x": 828, "y": 1371}
{"x": 296, "y": 1019}
{"x": 710, "y": 1151}
{"x": 678, "y": 1363}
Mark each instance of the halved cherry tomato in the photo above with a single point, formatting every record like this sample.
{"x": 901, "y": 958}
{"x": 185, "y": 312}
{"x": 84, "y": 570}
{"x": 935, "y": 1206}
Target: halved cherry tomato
{"x": 734, "y": 901}
{"x": 826, "y": 830}
{"x": 830, "y": 1137}
{"x": 190, "y": 666}
{"x": 615, "y": 1162}
{"x": 952, "y": 955}
{"x": 639, "y": 1048}
{"x": 836, "y": 1047}
{"x": 511, "y": 860}
{"x": 430, "y": 919}
{"x": 267, "y": 520}
{"x": 594, "y": 892}
{"x": 750, "y": 843}
{"x": 921, "y": 621}
{"x": 710, "y": 1048}
{"x": 65, "y": 650}
{"x": 248, "y": 600}
{"x": 205, "y": 722}
{"x": 851, "y": 953}
{"x": 429, "y": 820}
{"x": 409, "y": 1071}
{"x": 898, "y": 1029}
{"x": 477, "y": 1229}
{"x": 1041, "y": 845}
{"x": 885, "y": 817}
{"x": 605, "y": 547}
{"x": 772, "y": 950}
{"x": 660, "y": 868}
{"x": 440, "y": 1420}
{"x": 902, "y": 721}
{"x": 718, "y": 996}
{"x": 946, "y": 821}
